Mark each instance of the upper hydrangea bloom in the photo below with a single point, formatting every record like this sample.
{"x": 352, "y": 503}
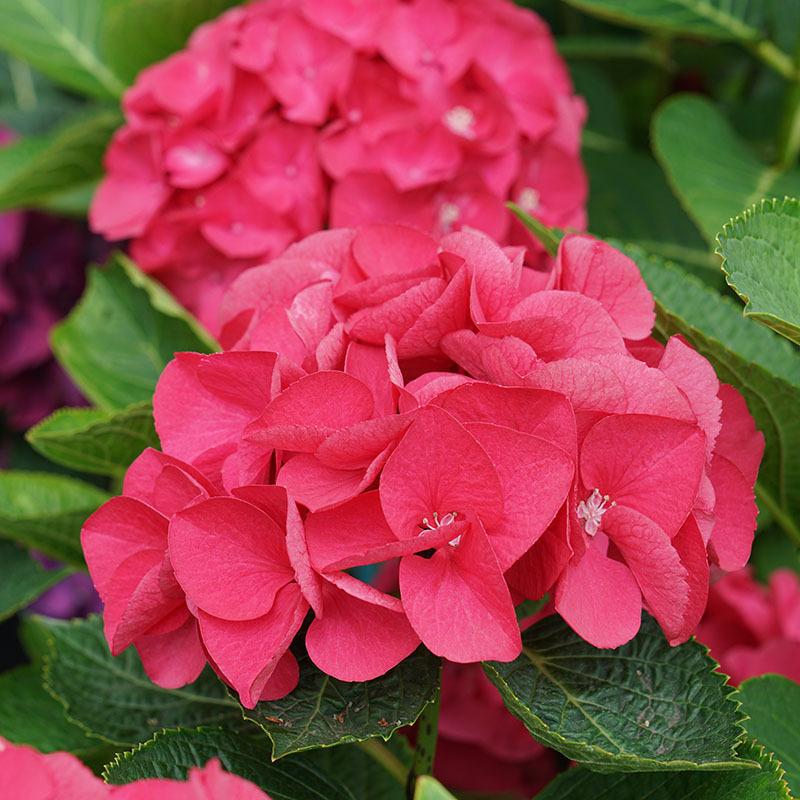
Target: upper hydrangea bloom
{"x": 281, "y": 118}
{"x": 496, "y": 431}
{"x": 753, "y": 629}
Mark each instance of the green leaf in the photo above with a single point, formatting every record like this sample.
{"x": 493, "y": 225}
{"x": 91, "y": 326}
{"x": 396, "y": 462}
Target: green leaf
{"x": 29, "y": 715}
{"x": 40, "y": 168}
{"x": 112, "y": 697}
{"x": 759, "y": 363}
{"x": 428, "y": 788}
{"x": 760, "y": 252}
{"x": 93, "y": 440}
{"x": 713, "y": 173}
{"x": 24, "y": 579}
{"x": 122, "y": 334}
{"x": 60, "y": 38}
{"x": 323, "y": 711}
{"x": 140, "y": 32}
{"x": 46, "y": 511}
{"x": 548, "y": 237}
{"x": 766, "y": 783}
{"x": 714, "y": 19}
{"x": 170, "y": 754}
{"x": 645, "y": 706}
{"x": 773, "y": 704}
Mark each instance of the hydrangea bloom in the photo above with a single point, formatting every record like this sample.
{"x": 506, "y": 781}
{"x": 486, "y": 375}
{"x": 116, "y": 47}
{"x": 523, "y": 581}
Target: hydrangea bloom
{"x": 26, "y": 774}
{"x": 753, "y": 629}
{"x": 281, "y": 117}
{"x": 498, "y": 431}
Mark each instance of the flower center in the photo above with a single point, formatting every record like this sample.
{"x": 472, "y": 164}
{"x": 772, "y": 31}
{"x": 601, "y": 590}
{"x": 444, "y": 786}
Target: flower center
{"x": 449, "y": 214}
{"x": 528, "y": 199}
{"x": 461, "y": 121}
{"x": 591, "y": 511}
{"x": 447, "y": 519}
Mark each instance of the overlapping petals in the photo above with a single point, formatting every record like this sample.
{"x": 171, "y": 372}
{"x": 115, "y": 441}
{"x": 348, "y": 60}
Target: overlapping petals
{"x": 492, "y": 432}
{"x": 281, "y": 118}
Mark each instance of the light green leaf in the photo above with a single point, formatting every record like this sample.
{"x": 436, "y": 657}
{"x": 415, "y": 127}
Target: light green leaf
{"x": 759, "y": 363}
{"x": 24, "y": 579}
{"x": 93, "y": 440}
{"x": 112, "y": 697}
{"x": 137, "y": 33}
{"x": 766, "y": 783}
{"x": 645, "y": 706}
{"x": 170, "y": 754}
{"x": 713, "y": 172}
{"x": 760, "y": 252}
{"x": 37, "y": 169}
{"x": 428, "y": 788}
{"x": 60, "y": 38}
{"x": 46, "y": 511}
{"x": 714, "y": 19}
{"x": 773, "y": 704}
{"x": 122, "y": 334}
{"x": 29, "y": 715}
{"x": 323, "y": 711}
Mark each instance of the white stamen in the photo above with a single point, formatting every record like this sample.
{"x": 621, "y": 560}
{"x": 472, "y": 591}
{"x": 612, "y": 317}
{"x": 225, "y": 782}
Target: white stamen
{"x": 461, "y": 121}
{"x": 591, "y": 511}
{"x": 447, "y": 519}
{"x": 427, "y": 57}
{"x": 528, "y": 199}
{"x": 354, "y": 116}
{"x": 199, "y": 200}
{"x": 449, "y": 214}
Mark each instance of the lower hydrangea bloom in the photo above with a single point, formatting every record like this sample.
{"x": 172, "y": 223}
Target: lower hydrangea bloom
{"x": 26, "y": 774}
{"x": 496, "y": 431}
{"x": 754, "y": 629}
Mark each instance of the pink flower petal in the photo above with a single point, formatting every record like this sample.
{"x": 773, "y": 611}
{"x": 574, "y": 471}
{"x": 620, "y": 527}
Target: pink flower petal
{"x": 173, "y": 659}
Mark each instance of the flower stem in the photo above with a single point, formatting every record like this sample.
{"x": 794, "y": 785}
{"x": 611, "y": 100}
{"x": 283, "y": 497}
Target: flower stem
{"x": 386, "y": 758}
{"x": 427, "y": 736}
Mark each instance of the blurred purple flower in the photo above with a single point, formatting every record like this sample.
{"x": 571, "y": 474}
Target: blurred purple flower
{"x": 73, "y": 597}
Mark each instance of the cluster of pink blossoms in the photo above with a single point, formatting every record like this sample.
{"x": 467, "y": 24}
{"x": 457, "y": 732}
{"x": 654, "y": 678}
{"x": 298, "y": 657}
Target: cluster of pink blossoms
{"x": 26, "y": 774}
{"x": 497, "y": 431}
{"x": 282, "y": 117}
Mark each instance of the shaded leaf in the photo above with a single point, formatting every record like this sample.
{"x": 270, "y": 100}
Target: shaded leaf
{"x": 170, "y": 754}
{"x": 645, "y": 706}
{"x": 773, "y": 704}
{"x": 122, "y": 334}
{"x": 323, "y": 711}
{"x": 112, "y": 697}
{"x": 46, "y": 511}
{"x": 761, "y": 259}
{"x": 60, "y": 38}
{"x": 24, "y": 579}
{"x": 712, "y": 171}
{"x": 766, "y": 783}
{"x": 38, "y": 169}
{"x": 93, "y": 440}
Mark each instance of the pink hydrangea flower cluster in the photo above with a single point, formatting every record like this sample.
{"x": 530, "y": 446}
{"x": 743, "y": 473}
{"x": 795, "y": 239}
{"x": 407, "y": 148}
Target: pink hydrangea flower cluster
{"x": 753, "y": 629}
{"x": 281, "y": 117}
{"x": 26, "y": 774}
{"x": 384, "y": 395}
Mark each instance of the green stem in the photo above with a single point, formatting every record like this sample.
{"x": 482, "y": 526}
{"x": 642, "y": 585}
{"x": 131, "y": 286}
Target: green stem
{"x": 777, "y": 59}
{"x": 386, "y": 758}
{"x": 781, "y": 517}
{"x": 789, "y": 137}
{"x": 427, "y": 736}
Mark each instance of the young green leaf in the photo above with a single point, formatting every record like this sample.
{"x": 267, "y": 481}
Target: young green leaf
{"x": 712, "y": 171}
{"x": 112, "y": 697}
{"x": 759, "y": 363}
{"x": 137, "y": 33}
{"x": 766, "y": 783}
{"x": 428, "y": 788}
{"x": 760, "y": 252}
{"x": 61, "y": 38}
{"x": 645, "y": 706}
{"x": 170, "y": 754}
{"x": 122, "y": 334}
{"x": 24, "y": 579}
{"x": 323, "y": 711}
{"x": 38, "y": 169}
{"x": 773, "y": 704}
{"x": 46, "y": 511}
{"x": 29, "y": 715}
{"x": 93, "y": 440}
